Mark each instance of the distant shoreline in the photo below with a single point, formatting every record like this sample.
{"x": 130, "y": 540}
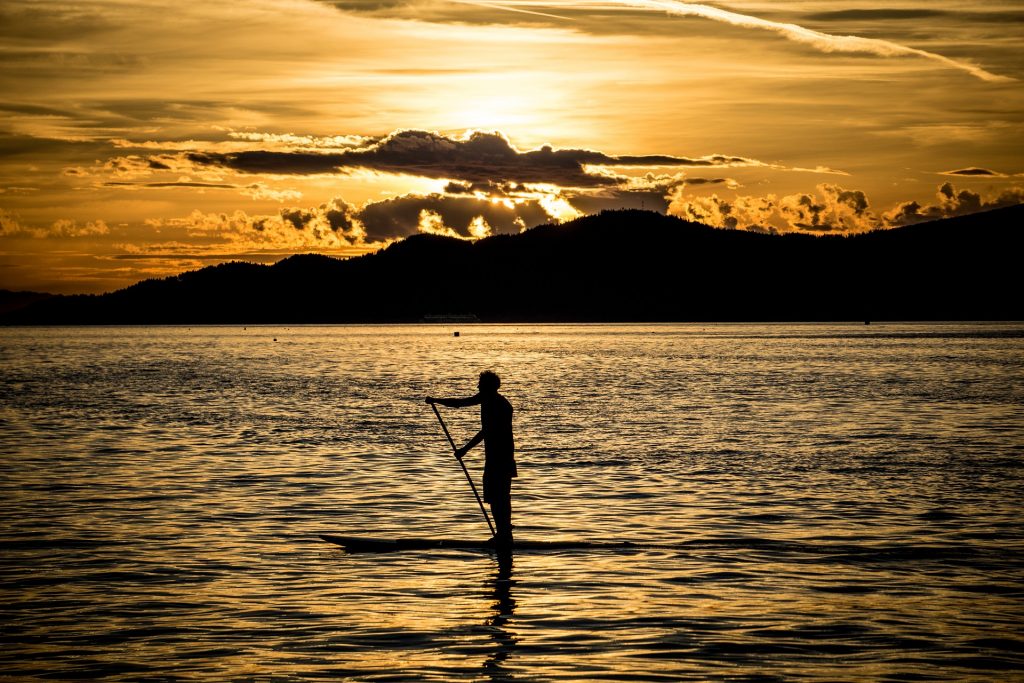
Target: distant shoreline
{"x": 587, "y": 271}
{"x": 855, "y": 325}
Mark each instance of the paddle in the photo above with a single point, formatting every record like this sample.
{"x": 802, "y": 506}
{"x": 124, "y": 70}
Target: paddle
{"x": 464, "y": 470}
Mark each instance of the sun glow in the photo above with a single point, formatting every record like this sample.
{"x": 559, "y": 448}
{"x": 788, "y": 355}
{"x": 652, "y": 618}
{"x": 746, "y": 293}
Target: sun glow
{"x": 495, "y": 112}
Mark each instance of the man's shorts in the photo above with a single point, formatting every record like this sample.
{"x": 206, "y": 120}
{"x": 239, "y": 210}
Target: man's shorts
{"x": 497, "y": 489}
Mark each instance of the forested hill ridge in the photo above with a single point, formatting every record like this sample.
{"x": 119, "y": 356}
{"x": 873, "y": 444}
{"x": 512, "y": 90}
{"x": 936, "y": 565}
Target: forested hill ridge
{"x": 614, "y": 266}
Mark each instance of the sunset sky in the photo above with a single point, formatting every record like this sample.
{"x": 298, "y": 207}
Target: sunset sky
{"x": 144, "y": 138}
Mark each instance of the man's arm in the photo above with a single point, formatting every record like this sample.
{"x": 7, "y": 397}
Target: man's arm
{"x": 456, "y": 402}
{"x": 460, "y": 453}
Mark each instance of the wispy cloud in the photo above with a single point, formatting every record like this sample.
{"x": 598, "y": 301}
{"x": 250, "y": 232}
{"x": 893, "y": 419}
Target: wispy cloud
{"x": 181, "y": 183}
{"x": 257, "y": 191}
{"x": 824, "y": 42}
{"x": 1000, "y": 16}
{"x": 511, "y": 8}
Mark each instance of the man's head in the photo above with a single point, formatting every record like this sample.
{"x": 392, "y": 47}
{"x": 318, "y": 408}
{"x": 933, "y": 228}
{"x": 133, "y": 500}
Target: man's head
{"x": 489, "y": 382}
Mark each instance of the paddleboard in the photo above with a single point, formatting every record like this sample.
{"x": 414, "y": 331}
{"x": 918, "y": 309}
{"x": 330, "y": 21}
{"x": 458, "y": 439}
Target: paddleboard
{"x": 364, "y": 544}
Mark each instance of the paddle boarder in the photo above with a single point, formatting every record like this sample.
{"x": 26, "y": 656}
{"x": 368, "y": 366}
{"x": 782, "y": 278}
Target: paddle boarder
{"x": 499, "y": 449}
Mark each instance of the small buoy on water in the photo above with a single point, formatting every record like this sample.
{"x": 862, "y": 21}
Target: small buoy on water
{"x": 456, "y": 333}
{"x": 275, "y": 338}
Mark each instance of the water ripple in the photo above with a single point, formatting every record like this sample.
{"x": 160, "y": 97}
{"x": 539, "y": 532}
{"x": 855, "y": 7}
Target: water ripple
{"x": 809, "y": 502}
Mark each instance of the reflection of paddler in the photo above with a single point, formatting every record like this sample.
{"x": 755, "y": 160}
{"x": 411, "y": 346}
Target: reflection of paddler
{"x": 504, "y": 605}
{"x": 503, "y": 608}
{"x": 499, "y": 449}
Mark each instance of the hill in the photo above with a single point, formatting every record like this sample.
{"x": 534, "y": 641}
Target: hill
{"x": 13, "y": 301}
{"x": 613, "y": 266}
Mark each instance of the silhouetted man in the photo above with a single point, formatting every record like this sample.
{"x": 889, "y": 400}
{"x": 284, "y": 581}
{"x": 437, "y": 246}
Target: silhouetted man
{"x": 499, "y": 449}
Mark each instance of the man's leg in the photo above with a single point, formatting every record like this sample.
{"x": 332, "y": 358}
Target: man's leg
{"x": 501, "y": 509}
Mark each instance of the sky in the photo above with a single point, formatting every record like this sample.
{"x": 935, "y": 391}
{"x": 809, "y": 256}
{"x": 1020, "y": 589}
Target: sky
{"x": 142, "y": 139}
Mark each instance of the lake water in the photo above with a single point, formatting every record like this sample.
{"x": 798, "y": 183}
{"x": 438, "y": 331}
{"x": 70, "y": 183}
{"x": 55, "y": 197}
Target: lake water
{"x": 829, "y": 502}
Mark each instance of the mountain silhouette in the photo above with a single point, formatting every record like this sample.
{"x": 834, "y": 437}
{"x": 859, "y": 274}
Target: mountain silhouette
{"x": 12, "y": 301}
{"x": 623, "y": 265}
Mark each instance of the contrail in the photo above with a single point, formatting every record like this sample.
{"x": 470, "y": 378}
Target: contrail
{"x": 507, "y": 8}
{"x": 825, "y": 42}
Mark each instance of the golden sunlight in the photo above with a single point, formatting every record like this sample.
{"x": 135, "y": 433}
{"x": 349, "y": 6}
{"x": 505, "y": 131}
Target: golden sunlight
{"x": 491, "y": 112}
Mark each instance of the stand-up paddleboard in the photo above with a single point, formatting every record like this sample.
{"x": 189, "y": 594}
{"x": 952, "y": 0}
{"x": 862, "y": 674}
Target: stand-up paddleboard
{"x": 363, "y": 544}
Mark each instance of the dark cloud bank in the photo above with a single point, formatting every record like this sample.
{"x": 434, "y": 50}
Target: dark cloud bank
{"x": 478, "y": 158}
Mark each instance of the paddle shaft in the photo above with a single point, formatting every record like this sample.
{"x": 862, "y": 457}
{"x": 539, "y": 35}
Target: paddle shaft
{"x": 455, "y": 449}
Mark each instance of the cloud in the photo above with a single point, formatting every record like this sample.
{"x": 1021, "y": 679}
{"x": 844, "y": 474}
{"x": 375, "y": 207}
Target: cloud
{"x": 259, "y": 191}
{"x": 650, "y": 191}
{"x": 337, "y": 224}
{"x": 131, "y": 166}
{"x": 824, "y": 42}
{"x": 974, "y": 171}
{"x": 475, "y": 11}
{"x": 476, "y": 157}
{"x": 464, "y": 211}
{"x": 241, "y": 141}
{"x": 461, "y": 214}
{"x": 10, "y": 226}
{"x": 290, "y": 140}
{"x": 291, "y": 229}
{"x": 186, "y": 256}
{"x": 432, "y": 223}
{"x": 996, "y": 16}
{"x": 825, "y": 170}
{"x": 833, "y": 209}
{"x": 876, "y": 14}
{"x": 67, "y": 227}
{"x": 177, "y": 183}
{"x": 951, "y": 202}
{"x": 741, "y": 213}
{"x": 830, "y": 209}
{"x": 334, "y": 219}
